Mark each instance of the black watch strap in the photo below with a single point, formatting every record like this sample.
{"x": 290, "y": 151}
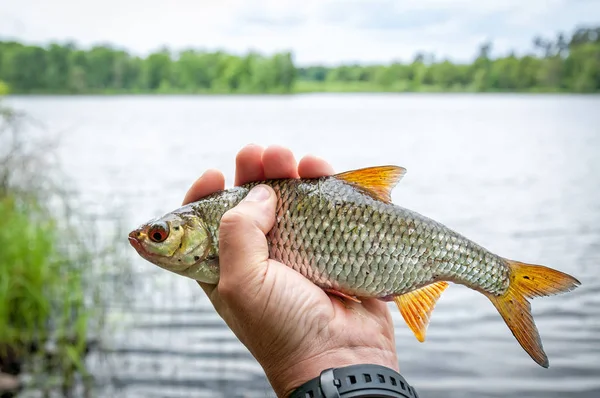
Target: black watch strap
{"x": 356, "y": 381}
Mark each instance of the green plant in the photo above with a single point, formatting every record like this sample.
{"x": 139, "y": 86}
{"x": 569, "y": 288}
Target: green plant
{"x": 51, "y": 258}
{"x": 41, "y": 295}
{"x": 3, "y": 88}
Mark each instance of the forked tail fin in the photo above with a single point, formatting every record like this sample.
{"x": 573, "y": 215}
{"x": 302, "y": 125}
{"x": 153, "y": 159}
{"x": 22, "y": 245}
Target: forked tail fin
{"x": 528, "y": 281}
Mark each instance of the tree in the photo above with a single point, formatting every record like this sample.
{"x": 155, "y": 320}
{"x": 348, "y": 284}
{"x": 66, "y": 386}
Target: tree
{"x": 481, "y": 68}
{"x": 156, "y": 70}
{"x": 583, "y": 64}
{"x": 57, "y": 73}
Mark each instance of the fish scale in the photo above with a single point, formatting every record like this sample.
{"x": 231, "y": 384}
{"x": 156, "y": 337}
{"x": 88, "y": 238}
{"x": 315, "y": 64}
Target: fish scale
{"x": 344, "y": 234}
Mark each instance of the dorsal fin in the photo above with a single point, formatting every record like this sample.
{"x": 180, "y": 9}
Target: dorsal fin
{"x": 416, "y": 307}
{"x": 377, "y": 181}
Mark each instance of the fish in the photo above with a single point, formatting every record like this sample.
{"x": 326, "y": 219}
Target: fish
{"x": 344, "y": 233}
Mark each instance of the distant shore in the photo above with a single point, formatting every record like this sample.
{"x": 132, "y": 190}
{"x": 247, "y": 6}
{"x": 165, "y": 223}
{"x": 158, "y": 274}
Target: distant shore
{"x": 567, "y": 64}
{"x": 307, "y": 87}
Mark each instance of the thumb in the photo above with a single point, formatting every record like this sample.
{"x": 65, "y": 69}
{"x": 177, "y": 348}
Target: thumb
{"x": 243, "y": 249}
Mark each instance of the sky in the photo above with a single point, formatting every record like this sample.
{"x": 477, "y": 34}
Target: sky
{"x": 326, "y": 32}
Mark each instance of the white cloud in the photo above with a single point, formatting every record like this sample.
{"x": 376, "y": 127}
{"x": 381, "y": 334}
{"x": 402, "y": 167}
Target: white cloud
{"x": 317, "y": 31}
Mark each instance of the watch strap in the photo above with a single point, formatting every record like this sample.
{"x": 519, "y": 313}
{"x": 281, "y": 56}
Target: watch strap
{"x": 363, "y": 380}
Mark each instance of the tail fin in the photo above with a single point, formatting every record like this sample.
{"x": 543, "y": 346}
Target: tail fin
{"x": 528, "y": 281}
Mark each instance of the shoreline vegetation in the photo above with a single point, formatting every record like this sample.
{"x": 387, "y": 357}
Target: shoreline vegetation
{"x": 53, "y": 312}
{"x": 565, "y": 64}
{"x": 303, "y": 87}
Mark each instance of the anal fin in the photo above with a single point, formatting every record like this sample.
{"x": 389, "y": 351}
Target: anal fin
{"x": 416, "y": 307}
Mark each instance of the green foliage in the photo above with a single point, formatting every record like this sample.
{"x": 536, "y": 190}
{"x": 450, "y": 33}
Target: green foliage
{"x": 567, "y": 65}
{"x": 50, "y": 262}
{"x": 37, "y": 280}
{"x": 65, "y": 69}
{"x": 42, "y": 297}
{"x": 3, "y": 88}
{"x": 560, "y": 65}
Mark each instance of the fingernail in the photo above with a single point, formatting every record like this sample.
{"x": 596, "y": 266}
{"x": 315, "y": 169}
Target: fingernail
{"x": 258, "y": 194}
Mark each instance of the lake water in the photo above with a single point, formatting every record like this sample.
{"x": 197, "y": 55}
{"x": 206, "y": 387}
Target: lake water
{"x": 519, "y": 174}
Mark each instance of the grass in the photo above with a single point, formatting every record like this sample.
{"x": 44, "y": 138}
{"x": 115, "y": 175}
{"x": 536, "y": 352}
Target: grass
{"x": 310, "y": 86}
{"x": 3, "y": 88}
{"x": 304, "y": 87}
{"x": 41, "y": 289}
{"x": 51, "y": 260}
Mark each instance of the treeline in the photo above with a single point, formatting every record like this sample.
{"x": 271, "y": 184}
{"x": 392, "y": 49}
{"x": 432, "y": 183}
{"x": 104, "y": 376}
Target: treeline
{"x": 65, "y": 69}
{"x": 563, "y": 64}
{"x": 560, "y": 65}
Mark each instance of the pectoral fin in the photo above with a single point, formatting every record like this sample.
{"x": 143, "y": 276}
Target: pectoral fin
{"x": 416, "y": 307}
{"x": 343, "y": 295}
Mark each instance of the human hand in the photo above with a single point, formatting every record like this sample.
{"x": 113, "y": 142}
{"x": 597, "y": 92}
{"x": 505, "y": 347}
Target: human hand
{"x": 291, "y": 326}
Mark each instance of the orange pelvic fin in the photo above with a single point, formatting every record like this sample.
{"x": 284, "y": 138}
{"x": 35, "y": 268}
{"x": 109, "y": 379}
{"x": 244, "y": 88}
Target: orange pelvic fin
{"x": 528, "y": 281}
{"x": 377, "y": 182}
{"x": 416, "y": 307}
{"x": 340, "y": 294}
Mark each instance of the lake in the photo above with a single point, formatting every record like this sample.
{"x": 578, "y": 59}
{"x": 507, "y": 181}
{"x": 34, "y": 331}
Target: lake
{"x": 519, "y": 174}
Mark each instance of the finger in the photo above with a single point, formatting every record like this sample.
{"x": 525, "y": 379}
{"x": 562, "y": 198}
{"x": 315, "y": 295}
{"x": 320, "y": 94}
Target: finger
{"x": 312, "y": 166}
{"x": 249, "y": 165}
{"x": 279, "y": 162}
{"x": 209, "y": 182}
{"x": 243, "y": 249}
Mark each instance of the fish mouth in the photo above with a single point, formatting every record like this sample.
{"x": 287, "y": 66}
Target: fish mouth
{"x": 134, "y": 241}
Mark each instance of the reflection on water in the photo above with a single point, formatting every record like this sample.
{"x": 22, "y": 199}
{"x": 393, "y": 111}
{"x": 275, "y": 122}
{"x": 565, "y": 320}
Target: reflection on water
{"x": 518, "y": 174}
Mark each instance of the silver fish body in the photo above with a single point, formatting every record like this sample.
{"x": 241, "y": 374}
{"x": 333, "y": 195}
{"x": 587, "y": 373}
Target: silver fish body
{"x": 343, "y": 239}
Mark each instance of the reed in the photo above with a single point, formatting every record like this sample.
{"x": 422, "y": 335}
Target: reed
{"x": 52, "y": 257}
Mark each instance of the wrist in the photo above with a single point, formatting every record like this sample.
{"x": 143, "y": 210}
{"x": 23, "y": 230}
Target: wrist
{"x": 285, "y": 377}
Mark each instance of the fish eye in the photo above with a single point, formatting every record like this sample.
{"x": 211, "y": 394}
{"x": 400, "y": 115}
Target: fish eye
{"x": 158, "y": 232}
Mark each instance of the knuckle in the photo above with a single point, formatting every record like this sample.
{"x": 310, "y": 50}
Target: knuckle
{"x": 227, "y": 290}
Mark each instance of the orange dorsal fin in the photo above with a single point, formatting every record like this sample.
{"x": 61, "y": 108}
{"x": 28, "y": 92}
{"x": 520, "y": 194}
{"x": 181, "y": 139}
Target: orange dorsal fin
{"x": 416, "y": 307}
{"x": 376, "y": 181}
